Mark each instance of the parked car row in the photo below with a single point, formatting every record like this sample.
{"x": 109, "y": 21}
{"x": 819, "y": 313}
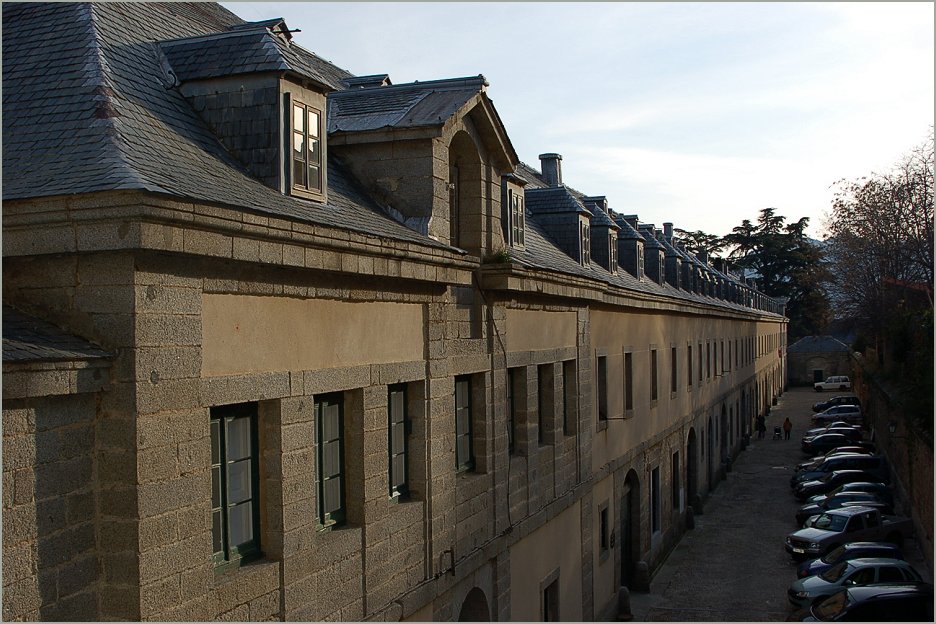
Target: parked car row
{"x": 849, "y": 547}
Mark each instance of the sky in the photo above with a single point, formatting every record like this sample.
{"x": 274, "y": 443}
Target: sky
{"x": 699, "y": 114}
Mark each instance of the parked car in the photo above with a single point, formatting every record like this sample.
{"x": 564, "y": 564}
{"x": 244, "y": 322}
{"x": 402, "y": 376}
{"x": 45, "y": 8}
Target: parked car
{"x": 848, "y": 524}
{"x": 829, "y": 427}
{"x": 830, "y": 481}
{"x": 848, "y": 399}
{"x": 824, "y": 443}
{"x": 856, "y": 449}
{"x": 849, "y": 431}
{"x": 849, "y": 413}
{"x": 881, "y": 490}
{"x": 848, "y": 550}
{"x": 835, "y": 382}
{"x": 852, "y": 573}
{"x": 874, "y": 464}
{"x": 841, "y": 500}
{"x": 904, "y": 602}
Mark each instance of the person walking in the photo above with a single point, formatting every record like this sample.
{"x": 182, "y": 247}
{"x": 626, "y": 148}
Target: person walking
{"x": 787, "y": 428}
{"x": 761, "y": 426}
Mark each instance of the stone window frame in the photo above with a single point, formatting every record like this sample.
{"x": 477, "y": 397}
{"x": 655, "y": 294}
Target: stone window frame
{"x": 464, "y": 428}
{"x": 398, "y": 449}
{"x": 220, "y": 418}
{"x": 517, "y": 226}
{"x": 601, "y": 388}
{"x": 604, "y": 531}
{"x": 654, "y": 375}
{"x": 549, "y": 597}
{"x": 674, "y": 370}
{"x": 300, "y": 190}
{"x": 337, "y": 517}
{"x": 628, "y": 387}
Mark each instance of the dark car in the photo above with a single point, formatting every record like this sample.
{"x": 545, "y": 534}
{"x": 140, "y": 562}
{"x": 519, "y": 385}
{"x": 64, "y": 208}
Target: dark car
{"x": 822, "y": 406}
{"x": 829, "y": 482}
{"x": 874, "y": 464}
{"x": 841, "y": 500}
{"x": 851, "y": 550}
{"x": 900, "y": 602}
{"x": 825, "y": 428}
{"x": 825, "y": 443}
{"x": 852, "y": 433}
{"x": 839, "y": 450}
{"x": 881, "y": 490}
{"x": 848, "y": 413}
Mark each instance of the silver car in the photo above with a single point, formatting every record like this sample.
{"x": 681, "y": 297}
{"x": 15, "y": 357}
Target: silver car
{"x": 852, "y": 573}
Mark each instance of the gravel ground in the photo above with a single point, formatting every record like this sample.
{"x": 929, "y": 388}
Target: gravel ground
{"x": 732, "y": 567}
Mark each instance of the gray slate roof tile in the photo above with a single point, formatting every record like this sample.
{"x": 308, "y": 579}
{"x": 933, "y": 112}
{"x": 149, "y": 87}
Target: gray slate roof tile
{"x": 131, "y": 131}
{"x": 28, "y": 339}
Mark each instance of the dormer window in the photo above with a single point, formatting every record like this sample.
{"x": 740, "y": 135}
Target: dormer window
{"x": 306, "y": 148}
{"x": 517, "y": 221}
{"x": 586, "y": 242}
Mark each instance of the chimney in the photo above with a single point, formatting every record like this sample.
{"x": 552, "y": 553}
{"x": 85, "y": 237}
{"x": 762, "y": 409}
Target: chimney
{"x": 668, "y": 232}
{"x": 551, "y": 164}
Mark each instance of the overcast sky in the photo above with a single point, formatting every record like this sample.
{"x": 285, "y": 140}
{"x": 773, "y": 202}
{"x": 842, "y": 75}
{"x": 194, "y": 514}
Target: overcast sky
{"x": 700, "y": 114}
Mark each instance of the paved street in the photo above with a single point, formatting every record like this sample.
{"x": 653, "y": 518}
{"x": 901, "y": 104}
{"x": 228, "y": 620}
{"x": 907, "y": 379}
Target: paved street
{"x": 732, "y": 566}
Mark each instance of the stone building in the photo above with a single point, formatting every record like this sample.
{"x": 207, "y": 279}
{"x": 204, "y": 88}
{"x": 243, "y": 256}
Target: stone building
{"x": 814, "y": 358}
{"x": 281, "y": 342}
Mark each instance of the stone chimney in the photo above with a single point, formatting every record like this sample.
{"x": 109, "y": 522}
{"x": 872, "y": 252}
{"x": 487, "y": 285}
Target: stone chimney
{"x": 551, "y": 165}
{"x": 668, "y": 232}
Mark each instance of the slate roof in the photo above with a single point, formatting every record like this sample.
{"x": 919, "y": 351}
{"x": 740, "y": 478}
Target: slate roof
{"x": 409, "y": 105}
{"x": 540, "y": 250}
{"x": 28, "y": 339}
{"x": 247, "y": 48}
{"x": 553, "y": 199}
{"x": 86, "y": 109}
{"x": 818, "y": 344}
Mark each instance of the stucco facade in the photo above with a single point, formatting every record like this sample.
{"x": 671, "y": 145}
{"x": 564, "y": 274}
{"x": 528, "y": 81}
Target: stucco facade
{"x": 559, "y": 420}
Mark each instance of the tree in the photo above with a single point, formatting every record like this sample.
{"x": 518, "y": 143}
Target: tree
{"x": 881, "y": 244}
{"x": 785, "y": 263}
{"x": 700, "y": 241}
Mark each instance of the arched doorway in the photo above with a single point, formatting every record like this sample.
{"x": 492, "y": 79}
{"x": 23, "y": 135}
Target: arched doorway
{"x": 475, "y": 607}
{"x": 630, "y": 527}
{"x": 692, "y": 469}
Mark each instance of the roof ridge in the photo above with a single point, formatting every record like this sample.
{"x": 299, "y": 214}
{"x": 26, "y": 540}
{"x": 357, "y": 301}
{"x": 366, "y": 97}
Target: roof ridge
{"x": 444, "y": 83}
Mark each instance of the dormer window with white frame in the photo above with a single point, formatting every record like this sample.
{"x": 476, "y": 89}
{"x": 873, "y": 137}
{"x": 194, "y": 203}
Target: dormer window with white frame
{"x": 307, "y": 151}
{"x": 517, "y": 219}
{"x": 585, "y": 241}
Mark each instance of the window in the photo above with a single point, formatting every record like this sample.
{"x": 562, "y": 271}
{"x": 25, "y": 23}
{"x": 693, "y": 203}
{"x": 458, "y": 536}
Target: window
{"x": 517, "y": 221}
{"x": 700, "y": 364}
{"x": 689, "y": 365}
{"x": 708, "y": 360}
{"x": 329, "y": 419}
{"x": 723, "y": 356}
{"x": 676, "y": 505}
{"x": 604, "y": 537}
{"x": 602, "y": 388}
{"x": 544, "y": 403}
{"x": 640, "y": 260}
{"x": 655, "y": 500}
{"x": 550, "y": 604}
{"x": 585, "y": 240}
{"x": 307, "y": 148}
{"x": 235, "y": 508}
{"x": 654, "y": 389}
{"x": 568, "y": 396}
{"x": 612, "y": 253}
{"x": 673, "y": 369}
{"x": 464, "y": 455}
{"x": 628, "y": 381}
{"x": 398, "y": 428}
